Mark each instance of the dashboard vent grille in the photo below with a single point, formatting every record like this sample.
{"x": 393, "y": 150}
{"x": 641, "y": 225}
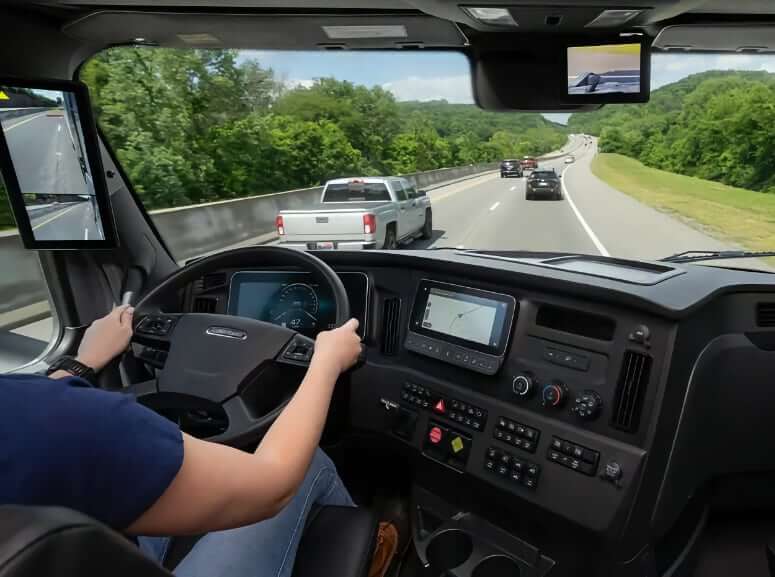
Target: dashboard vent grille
{"x": 391, "y": 318}
{"x": 633, "y": 380}
{"x": 211, "y": 281}
{"x": 765, "y": 314}
{"x": 205, "y": 305}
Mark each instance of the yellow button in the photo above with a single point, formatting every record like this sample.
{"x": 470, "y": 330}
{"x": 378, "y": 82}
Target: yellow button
{"x": 457, "y": 444}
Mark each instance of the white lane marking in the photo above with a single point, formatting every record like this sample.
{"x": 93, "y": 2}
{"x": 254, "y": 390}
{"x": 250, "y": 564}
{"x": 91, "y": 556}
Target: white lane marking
{"x": 59, "y": 128}
{"x": 459, "y": 246}
{"x": 494, "y": 206}
{"x": 86, "y": 233}
{"x": 10, "y": 128}
{"x": 596, "y": 241}
{"x": 59, "y": 154}
{"x": 56, "y": 216}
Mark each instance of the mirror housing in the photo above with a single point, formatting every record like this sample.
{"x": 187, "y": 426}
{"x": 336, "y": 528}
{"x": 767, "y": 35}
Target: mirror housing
{"x": 422, "y": 193}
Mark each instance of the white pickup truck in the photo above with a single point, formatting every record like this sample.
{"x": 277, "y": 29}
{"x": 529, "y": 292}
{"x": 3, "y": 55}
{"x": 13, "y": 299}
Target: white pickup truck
{"x": 359, "y": 213}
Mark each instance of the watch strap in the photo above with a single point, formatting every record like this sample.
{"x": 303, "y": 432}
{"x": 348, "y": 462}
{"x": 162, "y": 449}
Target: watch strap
{"x": 75, "y": 368}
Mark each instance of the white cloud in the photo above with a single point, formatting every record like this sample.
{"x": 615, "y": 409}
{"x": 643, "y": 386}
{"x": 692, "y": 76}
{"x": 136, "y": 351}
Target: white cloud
{"x": 292, "y": 83}
{"x": 450, "y": 88}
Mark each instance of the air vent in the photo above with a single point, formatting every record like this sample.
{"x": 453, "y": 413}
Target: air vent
{"x": 214, "y": 280}
{"x": 205, "y": 305}
{"x": 391, "y": 318}
{"x": 633, "y": 380}
{"x": 765, "y": 314}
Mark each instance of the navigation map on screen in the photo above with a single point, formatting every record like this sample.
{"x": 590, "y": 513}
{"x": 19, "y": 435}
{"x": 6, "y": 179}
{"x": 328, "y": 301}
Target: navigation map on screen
{"x": 605, "y": 69}
{"x": 462, "y": 316}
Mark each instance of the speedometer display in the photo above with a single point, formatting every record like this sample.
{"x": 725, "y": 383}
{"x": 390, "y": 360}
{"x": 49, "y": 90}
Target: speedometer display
{"x": 296, "y": 307}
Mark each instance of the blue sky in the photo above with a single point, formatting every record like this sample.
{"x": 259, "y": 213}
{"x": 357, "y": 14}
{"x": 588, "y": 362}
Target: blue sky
{"x": 429, "y": 75}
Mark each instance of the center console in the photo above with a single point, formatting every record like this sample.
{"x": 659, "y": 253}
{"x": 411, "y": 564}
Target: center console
{"x": 542, "y": 398}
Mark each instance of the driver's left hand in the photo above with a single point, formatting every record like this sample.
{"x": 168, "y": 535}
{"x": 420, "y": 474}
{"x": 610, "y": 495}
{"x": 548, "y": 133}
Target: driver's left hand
{"x": 106, "y": 338}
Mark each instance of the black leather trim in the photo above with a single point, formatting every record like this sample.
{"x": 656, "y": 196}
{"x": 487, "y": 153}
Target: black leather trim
{"x": 338, "y": 541}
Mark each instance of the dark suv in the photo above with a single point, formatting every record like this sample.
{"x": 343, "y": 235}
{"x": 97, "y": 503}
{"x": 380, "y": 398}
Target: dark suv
{"x": 543, "y": 184}
{"x": 511, "y": 168}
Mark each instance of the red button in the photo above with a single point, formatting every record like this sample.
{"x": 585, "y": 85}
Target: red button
{"x": 440, "y": 407}
{"x": 435, "y": 435}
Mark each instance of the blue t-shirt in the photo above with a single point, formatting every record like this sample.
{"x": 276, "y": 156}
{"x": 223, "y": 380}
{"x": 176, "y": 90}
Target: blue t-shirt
{"x": 101, "y": 453}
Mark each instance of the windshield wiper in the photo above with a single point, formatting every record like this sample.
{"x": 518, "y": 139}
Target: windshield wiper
{"x": 700, "y": 255}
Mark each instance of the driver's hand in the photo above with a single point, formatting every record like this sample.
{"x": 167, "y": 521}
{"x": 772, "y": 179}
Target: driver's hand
{"x": 106, "y": 338}
{"x": 338, "y": 348}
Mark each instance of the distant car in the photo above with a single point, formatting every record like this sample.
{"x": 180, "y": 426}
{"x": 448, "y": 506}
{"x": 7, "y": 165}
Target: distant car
{"x": 543, "y": 184}
{"x": 570, "y": 159}
{"x": 529, "y": 163}
{"x": 511, "y": 168}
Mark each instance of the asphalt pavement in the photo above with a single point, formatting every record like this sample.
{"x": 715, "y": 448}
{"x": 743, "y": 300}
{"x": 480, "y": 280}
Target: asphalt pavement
{"x": 490, "y": 212}
{"x": 43, "y": 154}
{"x": 73, "y": 221}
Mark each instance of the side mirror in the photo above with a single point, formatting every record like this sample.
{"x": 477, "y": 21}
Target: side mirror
{"x": 422, "y": 193}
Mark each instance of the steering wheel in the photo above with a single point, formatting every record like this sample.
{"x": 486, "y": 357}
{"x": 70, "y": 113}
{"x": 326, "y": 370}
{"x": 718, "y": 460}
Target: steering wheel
{"x": 215, "y": 360}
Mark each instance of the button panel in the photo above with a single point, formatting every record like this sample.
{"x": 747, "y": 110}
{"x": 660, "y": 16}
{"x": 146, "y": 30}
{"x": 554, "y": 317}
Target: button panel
{"x": 158, "y": 326}
{"x": 566, "y": 359}
{"x": 511, "y": 468}
{"x": 573, "y": 456}
{"x": 461, "y": 356}
{"x": 447, "y": 445}
{"x": 463, "y": 413}
{"x": 516, "y": 434}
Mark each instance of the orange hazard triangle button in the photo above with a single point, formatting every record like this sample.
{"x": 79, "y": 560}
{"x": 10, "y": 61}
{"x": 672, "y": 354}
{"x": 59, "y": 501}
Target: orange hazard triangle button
{"x": 440, "y": 407}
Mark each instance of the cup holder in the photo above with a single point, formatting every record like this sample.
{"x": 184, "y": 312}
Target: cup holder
{"x": 497, "y": 566}
{"x": 449, "y": 549}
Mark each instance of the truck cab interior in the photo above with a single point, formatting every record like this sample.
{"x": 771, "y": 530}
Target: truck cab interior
{"x": 580, "y": 414}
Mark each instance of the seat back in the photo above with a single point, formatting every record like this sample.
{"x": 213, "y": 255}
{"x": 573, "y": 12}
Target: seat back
{"x": 52, "y": 541}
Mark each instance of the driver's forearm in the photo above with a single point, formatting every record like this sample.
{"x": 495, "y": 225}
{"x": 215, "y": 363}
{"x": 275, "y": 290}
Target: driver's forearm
{"x": 291, "y": 441}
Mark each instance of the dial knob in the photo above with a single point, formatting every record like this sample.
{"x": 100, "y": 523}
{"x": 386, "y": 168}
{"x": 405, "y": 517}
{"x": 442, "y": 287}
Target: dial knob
{"x": 553, "y": 395}
{"x": 587, "y": 405}
{"x": 522, "y": 385}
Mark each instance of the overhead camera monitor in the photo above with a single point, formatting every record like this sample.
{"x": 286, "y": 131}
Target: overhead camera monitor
{"x": 51, "y": 166}
{"x": 607, "y": 72}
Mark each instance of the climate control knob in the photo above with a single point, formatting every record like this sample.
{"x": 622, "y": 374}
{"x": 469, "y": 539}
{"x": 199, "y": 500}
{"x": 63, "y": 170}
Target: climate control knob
{"x": 553, "y": 395}
{"x": 522, "y": 385}
{"x": 587, "y": 405}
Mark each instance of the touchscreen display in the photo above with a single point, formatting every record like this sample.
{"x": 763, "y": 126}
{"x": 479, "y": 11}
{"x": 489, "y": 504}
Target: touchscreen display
{"x": 464, "y": 316}
{"x": 604, "y": 69}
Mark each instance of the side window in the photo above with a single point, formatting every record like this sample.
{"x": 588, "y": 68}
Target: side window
{"x": 26, "y": 320}
{"x": 399, "y": 189}
{"x": 411, "y": 191}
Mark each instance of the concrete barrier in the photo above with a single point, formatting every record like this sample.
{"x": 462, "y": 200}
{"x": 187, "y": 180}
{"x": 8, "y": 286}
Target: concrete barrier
{"x": 194, "y": 230}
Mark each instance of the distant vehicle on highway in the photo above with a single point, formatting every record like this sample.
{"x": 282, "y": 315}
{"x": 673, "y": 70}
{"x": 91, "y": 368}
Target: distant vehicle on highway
{"x": 529, "y": 163}
{"x": 511, "y": 168}
{"x": 359, "y": 213}
{"x": 570, "y": 159}
{"x": 543, "y": 184}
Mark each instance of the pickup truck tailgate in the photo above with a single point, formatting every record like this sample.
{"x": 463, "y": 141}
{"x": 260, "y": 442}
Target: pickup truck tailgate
{"x": 333, "y": 224}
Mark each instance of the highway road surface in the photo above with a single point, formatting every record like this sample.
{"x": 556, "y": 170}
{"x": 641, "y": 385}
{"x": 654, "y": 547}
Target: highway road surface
{"x": 71, "y": 221}
{"x": 490, "y": 212}
{"x": 43, "y": 154}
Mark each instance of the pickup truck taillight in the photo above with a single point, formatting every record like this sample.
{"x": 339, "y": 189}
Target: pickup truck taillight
{"x": 279, "y": 224}
{"x": 369, "y": 224}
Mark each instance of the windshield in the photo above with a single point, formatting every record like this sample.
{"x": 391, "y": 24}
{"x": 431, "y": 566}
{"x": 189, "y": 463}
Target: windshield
{"x": 693, "y": 169}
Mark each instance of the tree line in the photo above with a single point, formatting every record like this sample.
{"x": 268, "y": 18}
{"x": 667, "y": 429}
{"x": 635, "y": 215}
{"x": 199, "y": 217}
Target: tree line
{"x": 192, "y": 126}
{"x": 715, "y": 125}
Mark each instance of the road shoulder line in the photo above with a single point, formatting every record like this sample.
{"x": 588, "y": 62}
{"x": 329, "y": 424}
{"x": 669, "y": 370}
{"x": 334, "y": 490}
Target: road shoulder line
{"x": 588, "y": 229}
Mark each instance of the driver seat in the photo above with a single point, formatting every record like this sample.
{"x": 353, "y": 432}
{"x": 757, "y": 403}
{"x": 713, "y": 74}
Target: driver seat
{"x": 58, "y": 542}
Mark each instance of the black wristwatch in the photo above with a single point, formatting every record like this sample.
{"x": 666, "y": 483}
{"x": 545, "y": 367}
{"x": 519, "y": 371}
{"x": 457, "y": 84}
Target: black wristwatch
{"x": 75, "y": 368}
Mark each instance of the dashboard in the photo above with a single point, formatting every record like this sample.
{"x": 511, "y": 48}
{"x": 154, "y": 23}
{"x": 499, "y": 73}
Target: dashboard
{"x": 579, "y": 395}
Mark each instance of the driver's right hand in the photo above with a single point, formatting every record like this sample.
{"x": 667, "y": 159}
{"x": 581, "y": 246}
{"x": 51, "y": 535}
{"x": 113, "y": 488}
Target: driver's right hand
{"x": 339, "y": 348}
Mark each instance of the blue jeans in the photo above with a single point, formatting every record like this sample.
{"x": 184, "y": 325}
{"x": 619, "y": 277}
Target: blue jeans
{"x": 265, "y": 549}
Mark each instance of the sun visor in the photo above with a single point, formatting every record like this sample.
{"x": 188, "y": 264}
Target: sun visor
{"x": 266, "y": 32}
